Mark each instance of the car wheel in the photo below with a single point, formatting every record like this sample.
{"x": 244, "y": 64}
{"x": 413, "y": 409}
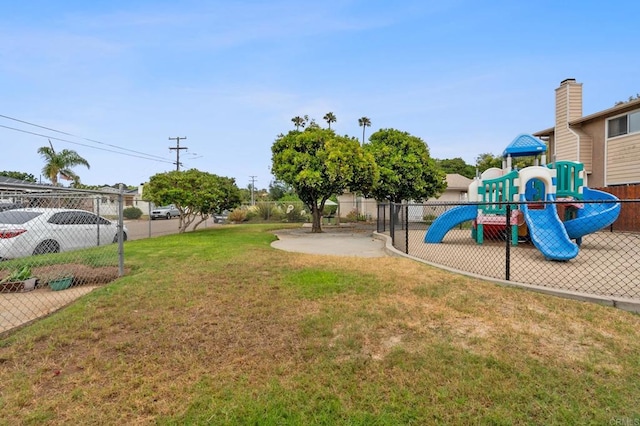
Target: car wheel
{"x": 124, "y": 237}
{"x": 153, "y": 218}
{"x": 48, "y": 246}
{"x": 168, "y": 216}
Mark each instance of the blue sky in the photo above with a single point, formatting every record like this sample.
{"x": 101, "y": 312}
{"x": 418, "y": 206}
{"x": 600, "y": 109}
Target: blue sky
{"x": 465, "y": 76}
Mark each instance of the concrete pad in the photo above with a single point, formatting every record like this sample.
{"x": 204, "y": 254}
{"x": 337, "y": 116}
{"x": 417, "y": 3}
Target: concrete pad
{"x": 337, "y": 243}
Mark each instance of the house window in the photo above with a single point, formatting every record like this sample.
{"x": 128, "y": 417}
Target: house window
{"x": 634, "y": 122}
{"x": 625, "y": 124}
{"x": 618, "y": 126}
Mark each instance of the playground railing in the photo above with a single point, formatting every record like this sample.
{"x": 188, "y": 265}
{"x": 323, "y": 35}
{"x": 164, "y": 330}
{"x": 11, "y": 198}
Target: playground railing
{"x": 607, "y": 262}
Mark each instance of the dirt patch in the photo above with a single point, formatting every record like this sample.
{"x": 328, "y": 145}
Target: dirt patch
{"x": 82, "y": 274}
{"x": 20, "y": 308}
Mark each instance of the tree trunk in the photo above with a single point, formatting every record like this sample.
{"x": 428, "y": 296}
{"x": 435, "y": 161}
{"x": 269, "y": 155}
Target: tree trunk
{"x": 316, "y": 225}
{"x": 200, "y": 221}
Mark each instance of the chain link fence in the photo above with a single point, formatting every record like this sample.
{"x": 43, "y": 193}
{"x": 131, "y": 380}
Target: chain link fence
{"x": 56, "y": 244}
{"x": 581, "y": 246}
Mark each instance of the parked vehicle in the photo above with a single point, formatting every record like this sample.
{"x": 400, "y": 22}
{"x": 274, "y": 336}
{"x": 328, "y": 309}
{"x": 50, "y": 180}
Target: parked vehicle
{"x": 9, "y": 206}
{"x": 165, "y": 212}
{"x": 31, "y": 231}
{"x": 221, "y": 217}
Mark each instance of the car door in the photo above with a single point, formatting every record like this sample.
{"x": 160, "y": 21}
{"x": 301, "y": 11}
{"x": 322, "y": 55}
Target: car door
{"x": 73, "y": 229}
{"x": 62, "y": 229}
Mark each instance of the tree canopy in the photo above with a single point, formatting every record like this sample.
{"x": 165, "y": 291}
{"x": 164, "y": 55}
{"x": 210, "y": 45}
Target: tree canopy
{"x": 27, "y": 177}
{"x": 330, "y": 117}
{"x": 487, "y": 160}
{"x": 631, "y": 98}
{"x": 317, "y": 163}
{"x": 407, "y": 172}
{"x": 279, "y": 189}
{"x": 364, "y": 122}
{"x": 300, "y": 121}
{"x": 196, "y": 194}
{"x": 457, "y": 165}
{"x": 60, "y": 163}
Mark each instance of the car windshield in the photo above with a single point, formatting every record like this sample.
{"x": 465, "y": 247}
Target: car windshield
{"x": 13, "y": 217}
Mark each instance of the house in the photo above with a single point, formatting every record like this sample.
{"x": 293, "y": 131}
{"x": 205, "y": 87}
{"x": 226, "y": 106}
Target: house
{"x": 456, "y": 191}
{"x": 606, "y": 142}
{"x": 457, "y": 186}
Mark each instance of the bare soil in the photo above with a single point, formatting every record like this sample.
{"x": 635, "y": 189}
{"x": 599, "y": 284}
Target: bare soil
{"x": 19, "y": 308}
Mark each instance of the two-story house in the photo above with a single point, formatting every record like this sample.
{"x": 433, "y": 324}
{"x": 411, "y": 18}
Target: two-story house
{"x": 607, "y": 142}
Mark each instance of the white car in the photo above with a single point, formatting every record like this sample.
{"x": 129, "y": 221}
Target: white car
{"x": 30, "y": 231}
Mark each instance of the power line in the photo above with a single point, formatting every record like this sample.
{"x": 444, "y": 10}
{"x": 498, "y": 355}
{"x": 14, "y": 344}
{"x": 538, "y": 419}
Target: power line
{"x": 177, "y": 148}
{"x": 85, "y": 145}
{"x": 71, "y": 134}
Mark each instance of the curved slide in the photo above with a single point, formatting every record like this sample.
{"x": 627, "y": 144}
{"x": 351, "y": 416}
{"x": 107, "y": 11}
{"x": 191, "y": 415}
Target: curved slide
{"x": 448, "y": 220}
{"x": 592, "y": 217}
{"x": 548, "y": 233}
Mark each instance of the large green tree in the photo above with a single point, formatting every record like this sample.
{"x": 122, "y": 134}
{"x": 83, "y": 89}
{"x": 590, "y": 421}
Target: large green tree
{"x": 195, "y": 193}
{"x": 60, "y": 163}
{"x": 407, "y": 172}
{"x": 317, "y": 163}
{"x": 278, "y": 189}
{"x": 487, "y": 160}
{"x": 457, "y": 165}
{"x": 26, "y": 177}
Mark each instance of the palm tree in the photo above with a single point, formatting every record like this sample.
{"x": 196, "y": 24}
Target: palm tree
{"x": 60, "y": 163}
{"x": 299, "y": 121}
{"x": 364, "y": 122}
{"x": 330, "y": 118}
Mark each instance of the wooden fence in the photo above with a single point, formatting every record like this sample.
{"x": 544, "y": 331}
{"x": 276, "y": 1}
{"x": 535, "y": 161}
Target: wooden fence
{"x": 629, "y": 219}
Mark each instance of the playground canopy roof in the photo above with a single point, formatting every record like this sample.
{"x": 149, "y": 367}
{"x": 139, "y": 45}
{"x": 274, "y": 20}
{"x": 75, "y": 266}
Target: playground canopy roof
{"x": 524, "y": 146}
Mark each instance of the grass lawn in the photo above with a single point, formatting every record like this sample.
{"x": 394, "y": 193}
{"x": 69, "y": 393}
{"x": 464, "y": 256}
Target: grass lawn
{"x": 216, "y": 327}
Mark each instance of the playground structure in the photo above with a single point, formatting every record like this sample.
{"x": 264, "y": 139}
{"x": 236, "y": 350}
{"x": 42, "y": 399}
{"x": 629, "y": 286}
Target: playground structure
{"x": 530, "y": 195}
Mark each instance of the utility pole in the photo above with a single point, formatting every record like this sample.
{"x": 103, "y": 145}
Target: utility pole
{"x": 253, "y": 182}
{"x": 177, "y": 148}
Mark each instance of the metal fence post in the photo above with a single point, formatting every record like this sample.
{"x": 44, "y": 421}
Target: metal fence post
{"x": 384, "y": 218}
{"x": 507, "y": 266}
{"x": 392, "y": 224}
{"x": 406, "y": 229}
{"x": 98, "y": 213}
{"x": 120, "y": 231}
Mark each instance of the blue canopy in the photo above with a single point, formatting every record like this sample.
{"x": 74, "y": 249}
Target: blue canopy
{"x": 525, "y": 145}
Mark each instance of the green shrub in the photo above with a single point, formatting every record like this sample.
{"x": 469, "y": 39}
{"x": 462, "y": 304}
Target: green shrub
{"x": 353, "y": 216}
{"x": 295, "y": 212}
{"x": 132, "y": 213}
{"x": 429, "y": 217}
{"x": 264, "y": 211}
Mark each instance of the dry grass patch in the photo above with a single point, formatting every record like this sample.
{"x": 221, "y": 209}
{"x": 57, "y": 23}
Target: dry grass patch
{"x": 234, "y": 333}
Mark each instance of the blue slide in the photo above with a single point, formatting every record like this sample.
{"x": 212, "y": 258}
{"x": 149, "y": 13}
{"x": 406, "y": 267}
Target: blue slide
{"x": 593, "y": 216}
{"x": 547, "y": 231}
{"x": 448, "y": 220}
